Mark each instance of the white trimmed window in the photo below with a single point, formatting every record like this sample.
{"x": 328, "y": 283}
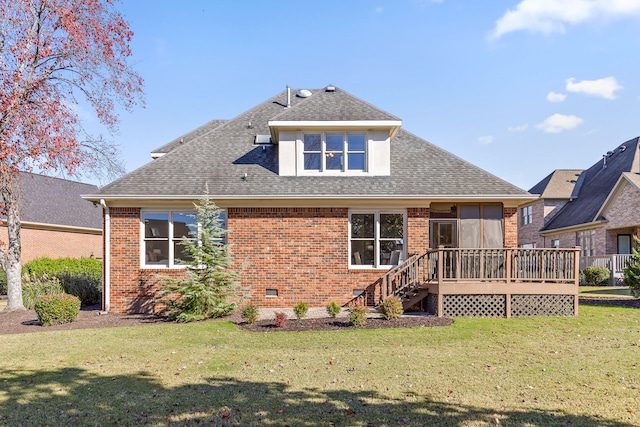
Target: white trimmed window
{"x": 334, "y": 152}
{"x": 376, "y": 238}
{"x": 162, "y": 233}
{"x": 527, "y": 215}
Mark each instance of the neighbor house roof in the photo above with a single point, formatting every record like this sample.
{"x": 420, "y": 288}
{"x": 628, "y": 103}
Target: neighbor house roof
{"x": 597, "y": 183}
{"x": 56, "y": 202}
{"x": 219, "y": 158}
{"x": 184, "y": 139}
{"x": 559, "y": 184}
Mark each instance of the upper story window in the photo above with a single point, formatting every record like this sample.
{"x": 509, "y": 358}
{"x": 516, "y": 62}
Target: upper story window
{"x": 340, "y": 152}
{"x": 162, "y": 235}
{"x": 527, "y": 215}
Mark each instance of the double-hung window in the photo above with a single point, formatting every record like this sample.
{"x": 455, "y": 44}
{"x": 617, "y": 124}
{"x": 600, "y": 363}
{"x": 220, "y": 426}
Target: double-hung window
{"x": 337, "y": 152}
{"x": 527, "y": 215}
{"x": 376, "y": 238}
{"x": 162, "y": 235}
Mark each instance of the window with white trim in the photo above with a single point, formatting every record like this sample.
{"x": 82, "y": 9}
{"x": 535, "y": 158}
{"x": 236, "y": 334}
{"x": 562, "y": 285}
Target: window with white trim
{"x": 162, "y": 235}
{"x": 586, "y": 241}
{"x": 376, "y": 238}
{"x": 334, "y": 152}
{"x": 527, "y": 215}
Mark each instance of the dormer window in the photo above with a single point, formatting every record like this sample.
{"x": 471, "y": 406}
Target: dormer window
{"x": 339, "y": 152}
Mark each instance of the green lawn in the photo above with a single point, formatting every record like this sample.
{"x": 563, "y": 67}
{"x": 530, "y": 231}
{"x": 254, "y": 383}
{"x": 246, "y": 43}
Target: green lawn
{"x": 605, "y": 291}
{"x": 553, "y": 371}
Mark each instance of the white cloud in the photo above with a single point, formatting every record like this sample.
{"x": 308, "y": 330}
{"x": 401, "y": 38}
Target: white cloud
{"x": 602, "y": 87}
{"x": 519, "y": 128}
{"x": 556, "y": 97}
{"x": 551, "y": 16}
{"x": 558, "y": 123}
{"x": 488, "y": 139}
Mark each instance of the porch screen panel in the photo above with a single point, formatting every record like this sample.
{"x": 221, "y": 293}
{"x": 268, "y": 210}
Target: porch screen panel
{"x": 470, "y": 226}
{"x": 492, "y": 228}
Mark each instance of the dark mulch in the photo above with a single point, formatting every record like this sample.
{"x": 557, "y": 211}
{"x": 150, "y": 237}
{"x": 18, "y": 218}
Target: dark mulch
{"x": 618, "y": 302}
{"x": 25, "y": 321}
{"x": 329, "y": 324}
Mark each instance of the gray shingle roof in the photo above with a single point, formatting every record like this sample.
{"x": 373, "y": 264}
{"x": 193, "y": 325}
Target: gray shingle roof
{"x": 48, "y": 200}
{"x": 598, "y": 181}
{"x": 220, "y": 157}
{"x": 559, "y": 184}
{"x": 188, "y": 137}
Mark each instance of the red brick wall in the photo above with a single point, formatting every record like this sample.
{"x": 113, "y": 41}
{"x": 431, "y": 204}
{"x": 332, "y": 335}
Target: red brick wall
{"x": 300, "y": 252}
{"x": 510, "y": 227}
{"x": 56, "y": 244}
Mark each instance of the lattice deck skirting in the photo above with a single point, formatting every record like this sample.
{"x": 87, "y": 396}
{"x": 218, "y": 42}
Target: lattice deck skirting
{"x": 496, "y": 305}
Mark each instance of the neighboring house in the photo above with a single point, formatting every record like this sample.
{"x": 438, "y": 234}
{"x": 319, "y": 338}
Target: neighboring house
{"x": 325, "y": 198}
{"x": 597, "y": 209}
{"x": 56, "y": 221}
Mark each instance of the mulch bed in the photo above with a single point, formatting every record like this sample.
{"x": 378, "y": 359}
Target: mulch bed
{"x": 25, "y": 321}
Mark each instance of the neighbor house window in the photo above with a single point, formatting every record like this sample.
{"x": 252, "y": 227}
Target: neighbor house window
{"x": 376, "y": 238}
{"x": 339, "y": 152}
{"x": 527, "y": 215}
{"x": 586, "y": 241}
{"x": 163, "y": 233}
{"x": 555, "y": 243}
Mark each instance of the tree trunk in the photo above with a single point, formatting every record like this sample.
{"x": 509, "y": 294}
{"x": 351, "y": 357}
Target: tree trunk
{"x": 10, "y": 257}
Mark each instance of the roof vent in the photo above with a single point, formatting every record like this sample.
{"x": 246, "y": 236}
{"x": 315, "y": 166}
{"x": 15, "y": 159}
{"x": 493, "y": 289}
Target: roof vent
{"x": 303, "y": 93}
{"x": 624, "y": 147}
{"x": 610, "y": 153}
{"x": 262, "y": 139}
{"x": 330, "y": 88}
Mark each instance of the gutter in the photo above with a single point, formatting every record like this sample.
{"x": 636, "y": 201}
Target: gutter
{"x": 106, "y": 287}
{"x": 585, "y": 226}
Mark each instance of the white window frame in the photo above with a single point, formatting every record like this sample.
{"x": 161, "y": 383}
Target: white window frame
{"x": 324, "y": 153}
{"x": 377, "y": 239}
{"x": 527, "y": 215}
{"x": 171, "y": 237}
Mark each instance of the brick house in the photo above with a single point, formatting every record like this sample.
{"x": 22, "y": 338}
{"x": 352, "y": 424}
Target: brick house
{"x": 597, "y": 209}
{"x": 325, "y": 198}
{"x": 56, "y": 221}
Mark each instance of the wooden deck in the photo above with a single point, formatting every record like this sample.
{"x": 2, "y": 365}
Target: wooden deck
{"x": 537, "y": 278}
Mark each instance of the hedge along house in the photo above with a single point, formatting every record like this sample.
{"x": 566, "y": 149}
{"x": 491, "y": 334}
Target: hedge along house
{"x": 325, "y": 198}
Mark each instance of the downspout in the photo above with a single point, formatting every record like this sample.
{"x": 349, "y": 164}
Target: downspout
{"x": 106, "y": 287}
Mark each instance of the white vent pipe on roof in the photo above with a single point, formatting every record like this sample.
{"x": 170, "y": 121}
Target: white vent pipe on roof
{"x": 288, "y": 97}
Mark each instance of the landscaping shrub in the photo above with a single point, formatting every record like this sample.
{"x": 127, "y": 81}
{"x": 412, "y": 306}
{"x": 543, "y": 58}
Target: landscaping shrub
{"x": 3, "y": 282}
{"x": 357, "y": 316}
{"x": 596, "y": 275}
{"x": 35, "y": 287}
{"x": 56, "y": 309}
{"x": 333, "y": 309}
{"x": 301, "y": 309}
{"x": 391, "y": 308}
{"x": 631, "y": 276}
{"x": 249, "y": 313}
{"x": 210, "y": 288}
{"x": 281, "y": 319}
{"x": 81, "y": 277}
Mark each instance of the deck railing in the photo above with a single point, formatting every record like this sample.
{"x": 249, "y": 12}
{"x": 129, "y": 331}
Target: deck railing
{"x": 500, "y": 265}
{"x": 615, "y": 263}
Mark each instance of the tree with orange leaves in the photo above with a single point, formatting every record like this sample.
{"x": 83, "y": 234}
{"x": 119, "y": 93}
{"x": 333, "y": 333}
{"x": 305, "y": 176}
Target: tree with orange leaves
{"x": 55, "y": 54}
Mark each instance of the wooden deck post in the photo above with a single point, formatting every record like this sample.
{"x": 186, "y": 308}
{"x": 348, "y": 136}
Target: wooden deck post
{"x": 576, "y": 276}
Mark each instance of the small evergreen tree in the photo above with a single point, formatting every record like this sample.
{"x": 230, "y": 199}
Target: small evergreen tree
{"x": 632, "y": 269}
{"x": 210, "y": 289}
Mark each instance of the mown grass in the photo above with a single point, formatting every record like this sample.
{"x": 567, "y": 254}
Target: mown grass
{"x": 576, "y": 371}
{"x": 605, "y": 291}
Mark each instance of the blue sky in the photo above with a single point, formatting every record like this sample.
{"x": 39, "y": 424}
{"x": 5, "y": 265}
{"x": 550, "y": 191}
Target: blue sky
{"x": 519, "y": 88}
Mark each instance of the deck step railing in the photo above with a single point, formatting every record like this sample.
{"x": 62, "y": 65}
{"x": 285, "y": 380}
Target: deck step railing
{"x": 460, "y": 265}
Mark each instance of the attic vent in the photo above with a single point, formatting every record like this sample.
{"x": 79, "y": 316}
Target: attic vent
{"x": 262, "y": 139}
{"x": 330, "y": 88}
{"x": 303, "y": 93}
{"x": 624, "y": 147}
{"x": 610, "y": 153}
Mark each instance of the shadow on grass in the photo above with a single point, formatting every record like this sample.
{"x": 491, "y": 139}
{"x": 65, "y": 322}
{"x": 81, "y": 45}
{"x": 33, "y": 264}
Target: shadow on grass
{"x": 73, "y": 396}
